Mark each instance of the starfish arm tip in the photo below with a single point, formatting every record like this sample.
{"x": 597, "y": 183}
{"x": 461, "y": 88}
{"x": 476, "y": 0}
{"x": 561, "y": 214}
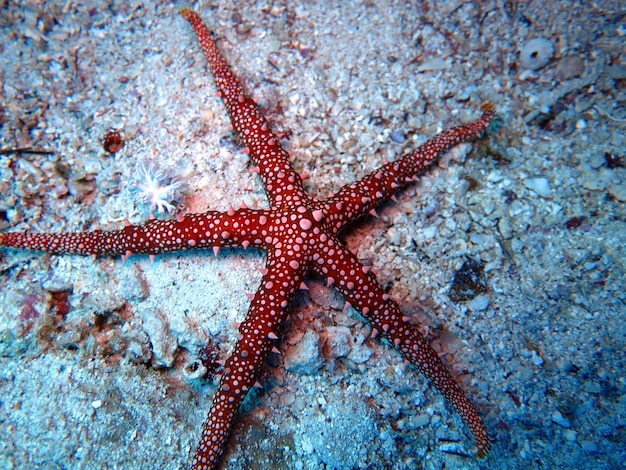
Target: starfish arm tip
{"x": 489, "y": 108}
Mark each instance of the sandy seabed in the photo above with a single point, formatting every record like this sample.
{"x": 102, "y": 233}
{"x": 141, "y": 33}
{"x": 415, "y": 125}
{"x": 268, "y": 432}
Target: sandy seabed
{"x": 94, "y": 354}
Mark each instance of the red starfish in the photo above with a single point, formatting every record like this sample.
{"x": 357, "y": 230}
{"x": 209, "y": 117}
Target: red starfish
{"x": 299, "y": 234}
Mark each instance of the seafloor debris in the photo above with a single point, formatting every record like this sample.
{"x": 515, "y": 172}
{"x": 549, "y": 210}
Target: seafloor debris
{"x": 468, "y": 282}
{"x": 536, "y": 53}
{"x": 113, "y": 141}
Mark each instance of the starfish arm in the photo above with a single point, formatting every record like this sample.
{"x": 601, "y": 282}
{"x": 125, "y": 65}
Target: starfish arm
{"x": 360, "y": 288}
{"x": 243, "y": 227}
{"x": 257, "y": 334}
{"x": 281, "y": 181}
{"x": 357, "y": 199}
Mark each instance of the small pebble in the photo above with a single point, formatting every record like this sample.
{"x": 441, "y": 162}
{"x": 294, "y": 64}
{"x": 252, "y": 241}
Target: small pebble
{"x": 307, "y": 447}
{"x": 564, "y": 365}
{"x": 479, "y": 303}
{"x": 466, "y": 93}
{"x": 305, "y": 357}
{"x": 164, "y": 343}
{"x": 597, "y": 161}
{"x": 593, "y": 183}
{"x": 397, "y": 136}
{"x": 536, "y": 359}
{"x": 458, "y": 154}
{"x": 57, "y": 285}
{"x": 536, "y": 53}
{"x": 561, "y": 420}
{"x": 394, "y": 236}
{"x": 436, "y": 63}
{"x": 540, "y": 185}
{"x": 504, "y": 225}
{"x": 431, "y": 209}
{"x": 589, "y": 446}
{"x": 133, "y": 284}
{"x": 489, "y": 206}
{"x": 325, "y": 297}
{"x": 421, "y": 420}
{"x": 618, "y": 191}
{"x": 287, "y": 399}
{"x": 570, "y": 67}
{"x": 360, "y": 354}
{"x": 570, "y": 435}
{"x": 337, "y": 342}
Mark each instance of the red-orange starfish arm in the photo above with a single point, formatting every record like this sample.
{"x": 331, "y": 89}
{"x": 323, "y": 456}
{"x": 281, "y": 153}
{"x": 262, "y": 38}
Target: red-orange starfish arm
{"x": 361, "y": 289}
{"x": 256, "y": 337}
{"x": 359, "y": 198}
{"x": 282, "y": 183}
{"x": 243, "y": 227}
